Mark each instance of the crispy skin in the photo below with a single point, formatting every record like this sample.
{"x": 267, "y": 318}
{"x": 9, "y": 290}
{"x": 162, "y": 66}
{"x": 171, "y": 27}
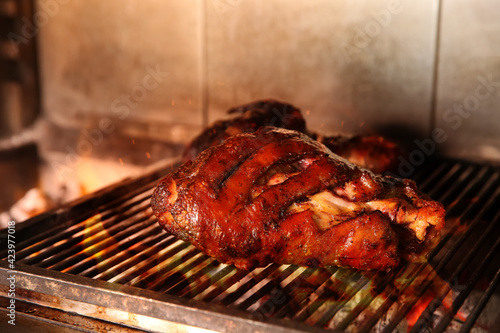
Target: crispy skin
{"x": 247, "y": 118}
{"x": 278, "y": 196}
{"x": 372, "y": 152}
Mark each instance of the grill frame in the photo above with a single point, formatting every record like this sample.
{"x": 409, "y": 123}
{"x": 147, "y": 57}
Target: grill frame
{"x": 40, "y": 282}
{"x": 443, "y": 181}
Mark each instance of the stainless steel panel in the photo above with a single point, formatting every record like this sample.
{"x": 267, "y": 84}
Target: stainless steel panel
{"x": 135, "y": 62}
{"x": 351, "y": 66}
{"x": 468, "y": 90}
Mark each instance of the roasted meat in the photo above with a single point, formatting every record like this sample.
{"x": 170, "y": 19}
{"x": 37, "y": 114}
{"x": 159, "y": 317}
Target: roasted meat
{"x": 247, "y": 119}
{"x": 373, "y": 152}
{"x": 279, "y": 196}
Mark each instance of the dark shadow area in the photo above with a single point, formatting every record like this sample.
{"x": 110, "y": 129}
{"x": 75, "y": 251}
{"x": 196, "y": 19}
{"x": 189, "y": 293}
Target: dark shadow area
{"x": 418, "y": 150}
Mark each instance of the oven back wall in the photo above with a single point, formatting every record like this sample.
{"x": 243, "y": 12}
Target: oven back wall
{"x": 163, "y": 69}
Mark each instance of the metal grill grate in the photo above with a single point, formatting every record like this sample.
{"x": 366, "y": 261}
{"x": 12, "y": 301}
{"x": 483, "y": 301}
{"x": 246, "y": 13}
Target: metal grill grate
{"x": 111, "y": 242}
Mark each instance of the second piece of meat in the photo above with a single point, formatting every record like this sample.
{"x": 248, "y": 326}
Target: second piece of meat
{"x": 368, "y": 151}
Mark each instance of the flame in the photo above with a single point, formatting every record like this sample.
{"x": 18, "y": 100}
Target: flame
{"x": 88, "y": 178}
{"x": 419, "y": 308}
{"x": 92, "y": 175}
{"x": 94, "y": 232}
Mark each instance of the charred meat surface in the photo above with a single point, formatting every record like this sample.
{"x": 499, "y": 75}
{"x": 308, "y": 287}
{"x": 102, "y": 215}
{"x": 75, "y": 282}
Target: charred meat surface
{"x": 278, "y": 196}
{"x": 372, "y": 152}
{"x": 247, "y": 119}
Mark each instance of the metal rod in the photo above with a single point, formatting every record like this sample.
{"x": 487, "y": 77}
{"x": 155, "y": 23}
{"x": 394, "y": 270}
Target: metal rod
{"x": 114, "y": 249}
{"x": 107, "y": 238}
{"x": 371, "y": 320}
{"x": 424, "y": 317}
{"x": 145, "y": 302}
{"x": 120, "y": 259}
{"x": 253, "y": 279}
{"x": 471, "y": 319}
{"x": 406, "y": 307}
{"x": 458, "y": 301}
{"x": 346, "y": 295}
{"x": 71, "y": 235}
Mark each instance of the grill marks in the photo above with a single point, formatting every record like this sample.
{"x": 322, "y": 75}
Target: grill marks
{"x": 272, "y": 204}
{"x": 274, "y": 156}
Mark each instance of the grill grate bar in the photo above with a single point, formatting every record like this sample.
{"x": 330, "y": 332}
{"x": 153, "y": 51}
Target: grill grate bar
{"x": 52, "y": 244}
{"x": 390, "y": 295}
{"x": 463, "y": 199}
{"x": 164, "y": 268}
{"x": 427, "y": 178}
{"x": 104, "y": 240}
{"x": 366, "y": 301}
{"x": 408, "y": 292}
{"x": 459, "y": 203}
{"x": 187, "y": 275}
{"x": 445, "y": 180}
{"x": 474, "y": 315}
{"x": 246, "y": 284}
{"x": 422, "y": 269}
{"x": 463, "y": 176}
{"x": 177, "y": 247}
{"x": 196, "y": 275}
{"x": 460, "y": 299}
{"x": 225, "y": 285}
{"x": 161, "y": 264}
{"x": 424, "y": 318}
{"x": 120, "y": 242}
{"x": 319, "y": 297}
{"x": 117, "y": 247}
{"x": 387, "y": 303}
{"x": 265, "y": 286}
{"x": 76, "y": 221}
{"x": 306, "y": 284}
{"x": 280, "y": 297}
{"x": 490, "y": 203}
{"x": 419, "y": 290}
{"x": 101, "y": 233}
{"x": 127, "y": 266}
{"x": 196, "y": 289}
{"x": 121, "y": 259}
{"x": 467, "y": 176}
{"x": 193, "y": 260}
{"x": 348, "y": 293}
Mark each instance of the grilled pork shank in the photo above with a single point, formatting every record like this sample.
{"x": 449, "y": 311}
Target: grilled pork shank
{"x": 371, "y": 152}
{"x": 279, "y": 196}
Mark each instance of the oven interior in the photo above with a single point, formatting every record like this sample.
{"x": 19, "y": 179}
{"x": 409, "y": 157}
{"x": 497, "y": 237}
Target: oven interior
{"x": 97, "y": 101}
